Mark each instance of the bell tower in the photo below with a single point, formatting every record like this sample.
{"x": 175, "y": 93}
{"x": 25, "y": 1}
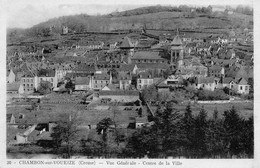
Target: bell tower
{"x": 177, "y": 50}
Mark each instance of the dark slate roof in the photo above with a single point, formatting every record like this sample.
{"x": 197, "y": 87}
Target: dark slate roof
{"x": 152, "y": 66}
{"x": 124, "y": 76}
{"x": 126, "y": 67}
{"x": 145, "y": 75}
{"x": 191, "y": 45}
{"x": 82, "y": 80}
{"x": 215, "y": 68}
{"x": 119, "y": 92}
{"x": 28, "y": 74}
{"x": 46, "y": 73}
{"x": 13, "y": 86}
{"x": 112, "y": 87}
{"x": 102, "y": 76}
{"x": 242, "y": 81}
{"x": 147, "y": 55}
{"x": 200, "y": 80}
{"x": 228, "y": 80}
{"x": 44, "y": 136}
{"x": 85, "y": 68}
{"x": 231, "y": 73}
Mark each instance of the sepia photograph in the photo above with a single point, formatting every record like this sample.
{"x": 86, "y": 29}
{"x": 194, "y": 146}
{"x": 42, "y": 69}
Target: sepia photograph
{"x": 158, "y": 80}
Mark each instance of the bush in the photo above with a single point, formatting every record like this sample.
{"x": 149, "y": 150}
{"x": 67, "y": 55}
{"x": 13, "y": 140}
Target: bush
{"x": 44, "y": 88}
{"x": 217, "y": 94}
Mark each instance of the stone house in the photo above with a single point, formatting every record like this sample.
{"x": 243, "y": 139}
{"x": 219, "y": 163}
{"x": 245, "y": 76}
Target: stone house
{"x": 15, "y": 88}
{"x": 206, "y": 83}
{"x": 124, "y": 80}
{"x": 144, "y": 80}
{"x": 100, "y": 80}
{"x": 46, "y": 75}
{"x": 242, "y": 86}
{"x": 83, "y": 83}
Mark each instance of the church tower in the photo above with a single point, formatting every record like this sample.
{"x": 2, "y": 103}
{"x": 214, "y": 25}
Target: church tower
{"x": 177, "y": 51}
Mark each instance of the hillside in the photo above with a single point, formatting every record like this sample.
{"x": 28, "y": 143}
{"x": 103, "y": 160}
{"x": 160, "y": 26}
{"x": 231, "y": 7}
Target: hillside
{"x": 155, "y": 17}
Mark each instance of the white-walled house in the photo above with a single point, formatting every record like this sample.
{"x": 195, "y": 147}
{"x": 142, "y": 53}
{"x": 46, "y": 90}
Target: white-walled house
{"x": 11, "y": 77}
{"x": 206, "y": 83}
{"x": 15, "y": 88}
{"x": 144, "y": 79}
{"x": 242, "y": 86}
{"x": 229, "y": 83}
{"x": 46, "y": 75}
{"x": 83, "y": 83}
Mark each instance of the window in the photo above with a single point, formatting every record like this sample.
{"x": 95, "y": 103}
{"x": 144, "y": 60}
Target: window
{"x": 241, "y": 87}
{"x": 95, "y": 81}
{"x": 51, "y": 79}
{"x": 31, "y": 80}
{"x": 27, "y": 85}
{"x": 31, "y": 85}
{"x": 177, "y": 54}
{"x": 140, "y": 81}
{"x": 23, "y": 80}
{"x": 27, "y": 80}
{"x": 246, "y": 87}
{"x": 41, "y": 79}
{"x": 24, "y": 85}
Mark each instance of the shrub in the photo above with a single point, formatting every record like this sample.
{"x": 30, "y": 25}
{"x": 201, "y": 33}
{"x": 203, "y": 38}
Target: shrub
{"x": 217, "y": 94}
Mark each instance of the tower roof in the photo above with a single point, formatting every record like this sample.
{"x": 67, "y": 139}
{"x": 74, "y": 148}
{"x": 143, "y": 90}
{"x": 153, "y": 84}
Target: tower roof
{"x": 126, "y": 43}
{"x": 176, "y": 41}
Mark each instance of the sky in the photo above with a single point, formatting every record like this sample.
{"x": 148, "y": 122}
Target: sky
{"x": 26, "y": 13}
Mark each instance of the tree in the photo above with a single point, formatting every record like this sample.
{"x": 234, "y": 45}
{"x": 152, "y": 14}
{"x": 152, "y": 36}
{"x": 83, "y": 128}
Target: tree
{"x": 214, "y": 141}
{"x": 188, "y": 128}
{"x": 45, "y": 87}
{"x": 168, "y": 129}
{"x": 232, "y": 126}
{"x": 247, "y": 138}
{"x": 114, "y": 73}
{"x": 215, "y": 114}
{"x": 143, "y": 142}
{"x": 66, "y": 134}
{"x": 149, "y": 94}
{"x": 164, "y": 96}
{"x": 70, "y": 85}
{"x": 226, "y": 90}
{"x": 102, "y": 127}
{"x": 200, "y": 133}
{"x": 164, "y": 138}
